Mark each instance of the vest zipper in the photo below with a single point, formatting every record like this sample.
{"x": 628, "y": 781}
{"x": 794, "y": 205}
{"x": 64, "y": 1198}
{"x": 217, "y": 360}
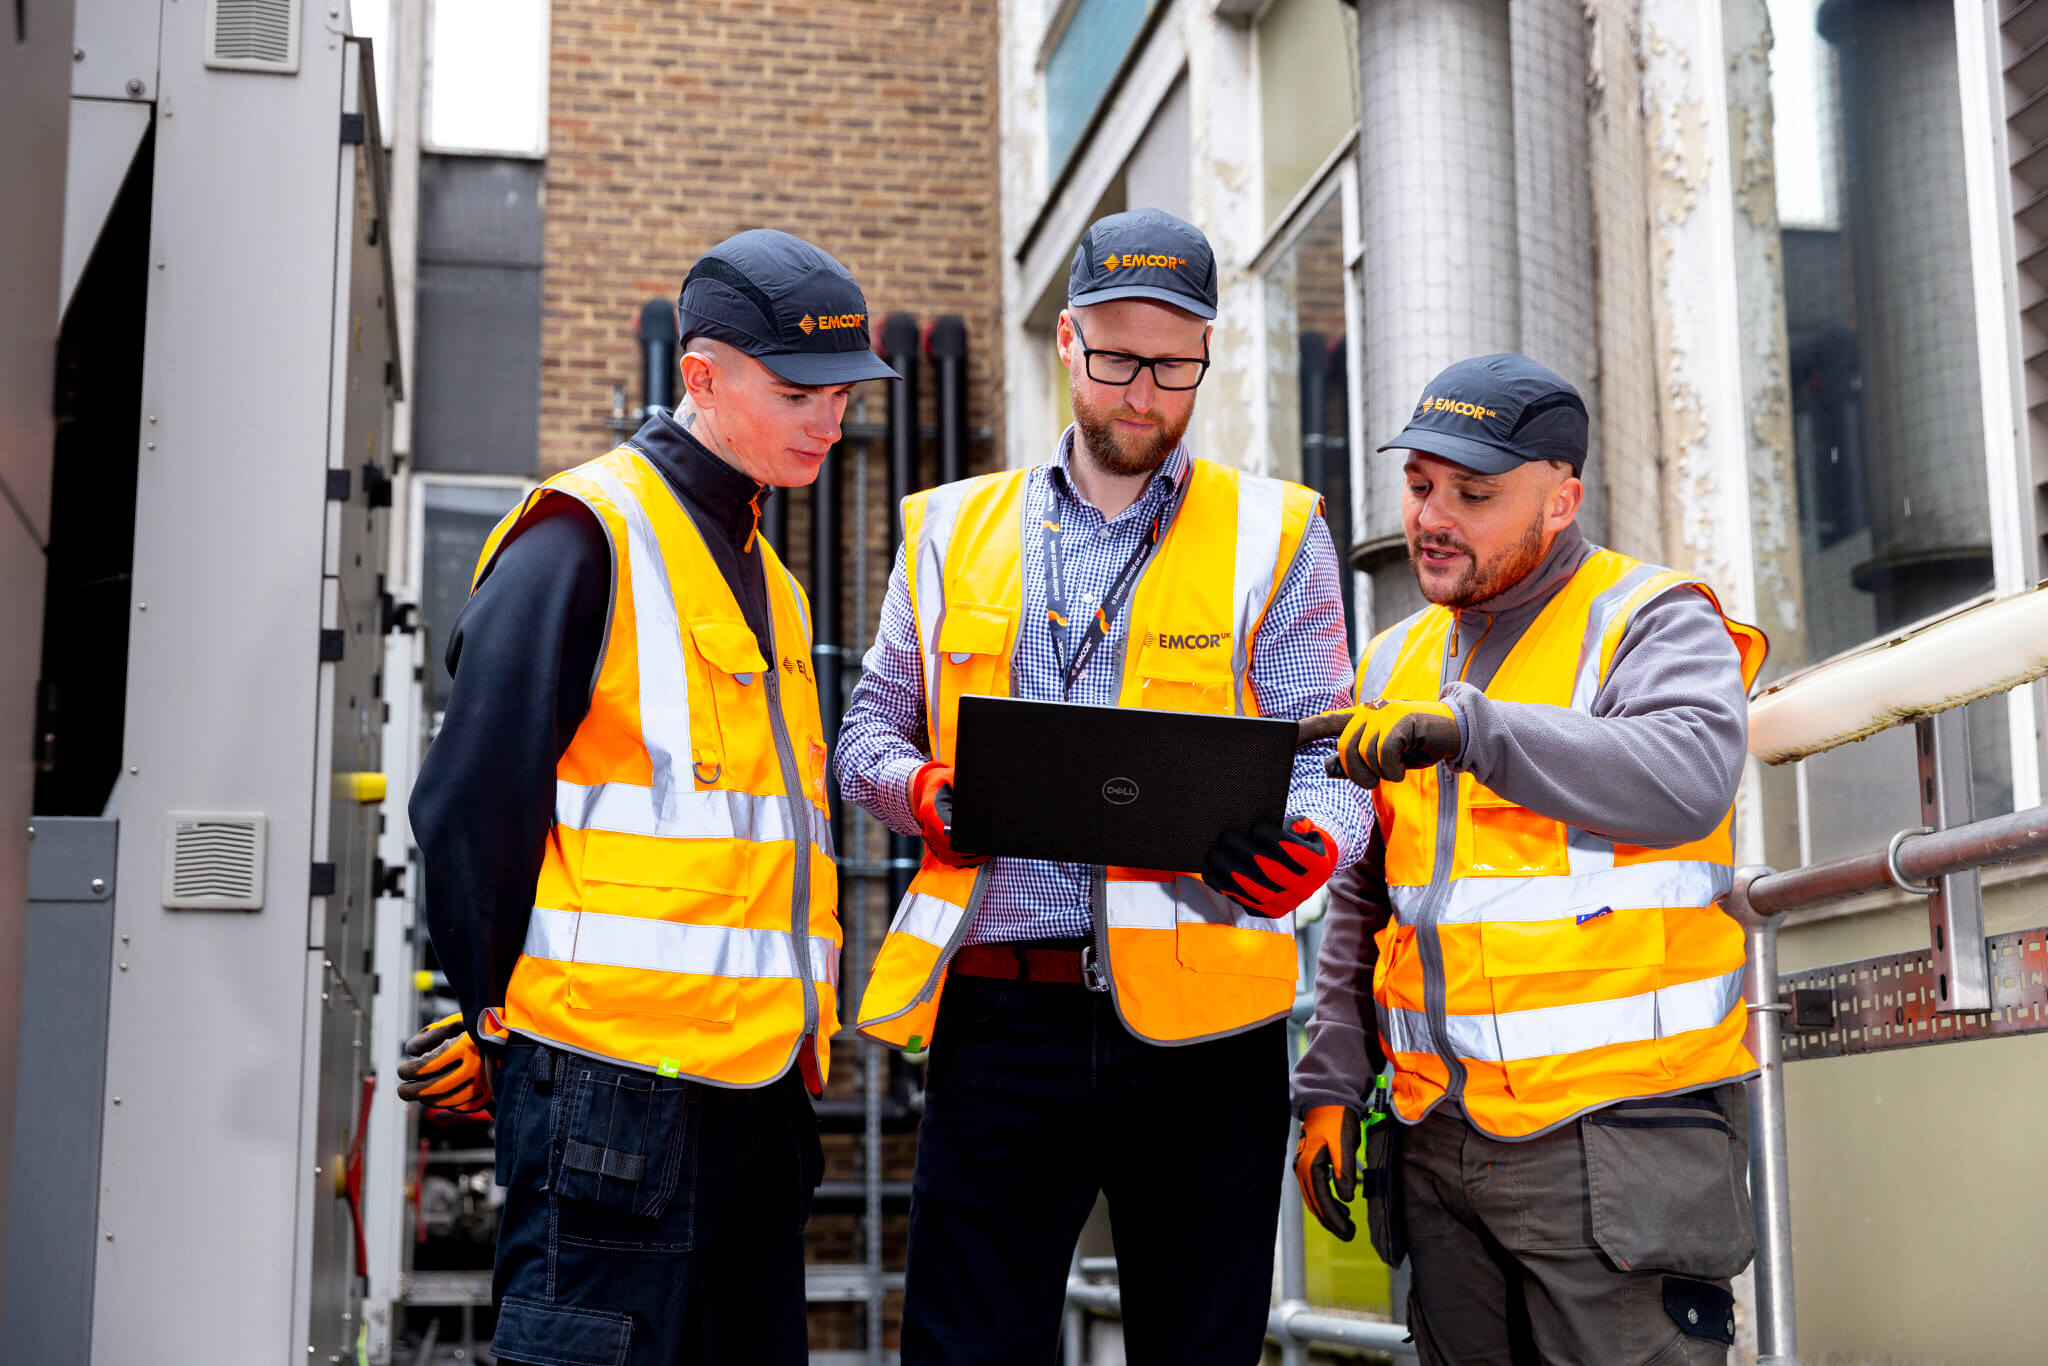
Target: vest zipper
{"x": 1428, "y": 941}
{"x": 800, "y": 817}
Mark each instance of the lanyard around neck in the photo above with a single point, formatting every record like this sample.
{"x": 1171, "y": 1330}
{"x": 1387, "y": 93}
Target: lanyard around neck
{"x": 1112, "y": 601}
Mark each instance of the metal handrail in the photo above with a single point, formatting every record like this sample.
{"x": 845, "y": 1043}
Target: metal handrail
{"x": 1758, "y": 901}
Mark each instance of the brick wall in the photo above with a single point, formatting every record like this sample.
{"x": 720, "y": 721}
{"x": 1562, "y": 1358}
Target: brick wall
{"x": 869, "y": 129}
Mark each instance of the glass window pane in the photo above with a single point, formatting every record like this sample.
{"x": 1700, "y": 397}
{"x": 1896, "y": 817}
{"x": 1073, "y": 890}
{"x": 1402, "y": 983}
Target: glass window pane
{"x": 1083, "y": 63}
{"x": 1308, "y": 91}
{"x": 1309, "y": 423}
{"x": 1890, "y": 496}
{"x": 487, "y": 76}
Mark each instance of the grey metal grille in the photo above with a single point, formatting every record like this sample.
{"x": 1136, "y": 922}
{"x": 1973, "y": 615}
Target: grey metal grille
{"x": 2023, "y": 34}
{"x": 253, "y": 35}
{"x": 213, "y": 861}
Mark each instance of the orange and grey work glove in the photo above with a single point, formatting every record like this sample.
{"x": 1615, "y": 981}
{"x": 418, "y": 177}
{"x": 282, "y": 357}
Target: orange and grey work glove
{"x": 445, "y": 1069}
{"x": 1326, "y": 1166}
{"x": 1270, "y": 871}
{"x": 931, "y": 797}
{"x": 1382, "y": 740}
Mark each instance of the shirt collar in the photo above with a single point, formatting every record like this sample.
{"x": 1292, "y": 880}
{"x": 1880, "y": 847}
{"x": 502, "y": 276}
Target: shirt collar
{"x": 1167, "y": 479}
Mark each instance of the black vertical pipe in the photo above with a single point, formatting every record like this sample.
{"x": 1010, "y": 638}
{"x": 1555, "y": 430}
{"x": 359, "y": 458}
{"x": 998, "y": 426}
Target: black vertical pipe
{"x": 1309, "y": 375}
{"x": 946, "y": 344}
{"x": 1337, "y": 470}
{"x": 656, "y": 328}
{"x": 899, "y": 348}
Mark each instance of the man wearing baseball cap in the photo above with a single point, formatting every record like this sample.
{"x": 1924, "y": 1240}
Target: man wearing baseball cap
{"x": 1559, "y": 1136}
{"x": 628, "y": 859}
{"x": 1102, "y": 1030}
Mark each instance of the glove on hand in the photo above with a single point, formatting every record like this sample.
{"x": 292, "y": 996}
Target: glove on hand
{"x": 445, "y": 1069}
{"x": 1384, "y": 740}
{"x": 931, "y": 796}
{"x": 1326, "y": 1167}
{"x": 1270, "y": 871}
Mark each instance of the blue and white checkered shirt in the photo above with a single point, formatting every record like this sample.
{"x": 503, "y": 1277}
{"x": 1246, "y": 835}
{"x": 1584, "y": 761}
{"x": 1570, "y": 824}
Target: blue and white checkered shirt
{"x": 1300, "y": 668}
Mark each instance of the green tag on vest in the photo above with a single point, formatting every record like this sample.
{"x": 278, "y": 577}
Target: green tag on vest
{"x": 670, "y": 1068}
{"x": 916, "y": 1044}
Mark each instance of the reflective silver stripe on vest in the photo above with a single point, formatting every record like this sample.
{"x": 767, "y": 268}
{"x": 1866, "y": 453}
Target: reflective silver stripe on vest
{"x": 803, "y": 613}
{"x": 1184, "y": 901}
{"x": 934, "y": 539}
{"x": 658, "y": 638}
{"x": 1684, "y": 884}
{"x": 629, "y": 809}
{"x": 930, "y": 918}
{"x": 1380, "y": 667}
{"x": 1599, "y": 616}
{"x": 1260, "y": 505}
{"x": 1519, "y": 1035}
{"x": 631, "y": 941}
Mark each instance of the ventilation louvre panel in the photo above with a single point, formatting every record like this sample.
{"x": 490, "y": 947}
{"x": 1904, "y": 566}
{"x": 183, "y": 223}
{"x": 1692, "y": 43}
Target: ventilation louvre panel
{"x": 253, "y": 35}
{"x": 2023, "y": 35}
{"x": 213, "y": 861}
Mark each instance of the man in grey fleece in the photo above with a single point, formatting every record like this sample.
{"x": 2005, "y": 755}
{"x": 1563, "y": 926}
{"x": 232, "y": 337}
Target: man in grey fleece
{"x": 1559, "y": 997}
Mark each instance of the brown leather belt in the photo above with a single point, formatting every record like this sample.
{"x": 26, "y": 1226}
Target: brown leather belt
{"x": 1019, "y": 963}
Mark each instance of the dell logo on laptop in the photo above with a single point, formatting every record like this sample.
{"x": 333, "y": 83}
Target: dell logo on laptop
{"x": 1120, "y": 791}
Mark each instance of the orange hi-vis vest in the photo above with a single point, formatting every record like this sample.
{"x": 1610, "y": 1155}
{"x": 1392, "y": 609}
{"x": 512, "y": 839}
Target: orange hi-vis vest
{"x": 1183, "y": 962}
{"x": 685, "y": 917}
{"x": 1534, "y": 970}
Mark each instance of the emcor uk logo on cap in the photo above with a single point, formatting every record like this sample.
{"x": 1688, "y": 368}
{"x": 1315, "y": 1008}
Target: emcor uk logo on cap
{"x": 1432, "y": 404}
{"x": 826, "y": 322}
{"x": 1129, "y": 260}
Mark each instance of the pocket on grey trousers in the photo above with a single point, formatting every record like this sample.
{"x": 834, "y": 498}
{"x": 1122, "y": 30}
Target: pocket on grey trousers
{"x": 1669, "y": 1183}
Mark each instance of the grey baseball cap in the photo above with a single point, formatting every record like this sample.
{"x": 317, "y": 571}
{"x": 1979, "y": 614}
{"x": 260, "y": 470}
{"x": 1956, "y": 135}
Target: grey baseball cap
{"x": 1495, "y": 413}
{"x": 784, "y": 302}
{"x": 1144, "y": 254}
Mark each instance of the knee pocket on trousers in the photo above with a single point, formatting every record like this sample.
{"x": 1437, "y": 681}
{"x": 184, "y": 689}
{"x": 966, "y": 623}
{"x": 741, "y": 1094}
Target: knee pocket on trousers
{"x": 541, "y": 1334}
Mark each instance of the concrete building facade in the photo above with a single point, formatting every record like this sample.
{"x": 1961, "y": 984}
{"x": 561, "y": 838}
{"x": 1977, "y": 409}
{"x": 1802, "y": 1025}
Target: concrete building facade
{"x": 1788, "y": 250}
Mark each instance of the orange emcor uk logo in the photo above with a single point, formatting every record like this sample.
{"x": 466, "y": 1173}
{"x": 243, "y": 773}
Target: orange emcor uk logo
{"x": 826, "y": 322}
{"x": 1194, "y": 640}
{"x": 1129, "y": 260}
{"x": 1431, "y": 404}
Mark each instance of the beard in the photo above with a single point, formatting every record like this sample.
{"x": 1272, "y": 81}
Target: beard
{"x": 1117, "y": 452}
{"x": 1481, "y": 580}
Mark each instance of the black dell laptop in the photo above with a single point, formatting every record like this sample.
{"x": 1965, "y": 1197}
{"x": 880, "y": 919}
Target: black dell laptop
{"x": 1112, "y": 785}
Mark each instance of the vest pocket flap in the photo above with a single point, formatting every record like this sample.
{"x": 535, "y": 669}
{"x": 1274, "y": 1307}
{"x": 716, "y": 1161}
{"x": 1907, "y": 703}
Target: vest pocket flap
{"x": 1594, "y": 939}
{"x": 973, "y": 629}
{"x": 666, "y": 867}
{"x": 728, "y": 645}
{"x": 1204, "y": 660}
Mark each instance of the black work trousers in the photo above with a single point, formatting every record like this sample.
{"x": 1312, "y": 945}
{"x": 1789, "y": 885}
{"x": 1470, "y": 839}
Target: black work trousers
{"x": 650, "y": 1221}
{"x": 1037, "y": 1099}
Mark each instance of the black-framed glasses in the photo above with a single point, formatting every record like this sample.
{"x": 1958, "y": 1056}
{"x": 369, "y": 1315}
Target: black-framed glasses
{"x": 1120, "y": 367}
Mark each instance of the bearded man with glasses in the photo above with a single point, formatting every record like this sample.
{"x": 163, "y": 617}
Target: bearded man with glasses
{"x": 1115, "y": 1031}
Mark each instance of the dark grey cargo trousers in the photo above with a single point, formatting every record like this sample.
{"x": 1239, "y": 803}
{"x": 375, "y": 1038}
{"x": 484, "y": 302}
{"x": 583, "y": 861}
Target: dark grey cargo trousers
{"x": 1609, "y": 1241}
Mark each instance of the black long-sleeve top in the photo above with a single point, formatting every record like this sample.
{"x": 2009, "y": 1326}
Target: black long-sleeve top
{"x": 524, "y": 655}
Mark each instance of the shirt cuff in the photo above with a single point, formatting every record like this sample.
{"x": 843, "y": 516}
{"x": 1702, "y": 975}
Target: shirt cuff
{"x": 892, "y": 795}
{"x": 1345, "y": 826}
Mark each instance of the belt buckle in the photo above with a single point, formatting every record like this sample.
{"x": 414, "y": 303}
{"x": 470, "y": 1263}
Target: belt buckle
{"x": 1092, "y": 975}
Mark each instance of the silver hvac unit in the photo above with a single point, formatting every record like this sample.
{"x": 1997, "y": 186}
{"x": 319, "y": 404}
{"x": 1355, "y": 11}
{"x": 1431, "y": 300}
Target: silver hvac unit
{"x": 208, "y": 942}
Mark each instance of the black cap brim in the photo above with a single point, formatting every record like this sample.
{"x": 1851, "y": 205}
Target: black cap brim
{"x": 1476, "y": 456}
{"x": 1154, "y": 292}
{"x": 817, "y": 368}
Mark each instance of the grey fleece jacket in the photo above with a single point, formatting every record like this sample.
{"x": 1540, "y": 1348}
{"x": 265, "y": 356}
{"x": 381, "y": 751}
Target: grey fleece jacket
{"x": 1656, "y": 763}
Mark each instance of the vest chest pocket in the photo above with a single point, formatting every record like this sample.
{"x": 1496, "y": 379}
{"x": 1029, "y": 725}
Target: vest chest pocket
{"x": 1501, "y": 839}
{"x": 1197, "y": 678}
{"x": 728, "y": 706}
{"x": 974, "y": 642}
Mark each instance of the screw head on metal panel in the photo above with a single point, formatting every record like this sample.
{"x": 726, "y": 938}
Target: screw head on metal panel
{"x": 134, "y": 87}
{"x": 117, "y": 1100}
{"x": 134, "y": 769}
{"x": 78, "y": 55}
{"x": 99, "y": 884}
{"x": 124, "y": 967}
{"x": 110, "y": 1237}
{"x": 31, "y": 832}
{"x": 152, "y": 445}
{"x": 143, "y": 605}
